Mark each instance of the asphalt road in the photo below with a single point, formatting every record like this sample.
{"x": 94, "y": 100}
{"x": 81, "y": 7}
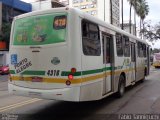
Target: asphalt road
{"x": 143, "y": 98}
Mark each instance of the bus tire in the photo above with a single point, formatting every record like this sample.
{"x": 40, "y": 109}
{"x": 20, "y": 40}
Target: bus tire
{"x": 121, "y": 86}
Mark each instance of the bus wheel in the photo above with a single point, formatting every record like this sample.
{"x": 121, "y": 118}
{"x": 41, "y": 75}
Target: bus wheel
{"x": 121, "y": 86}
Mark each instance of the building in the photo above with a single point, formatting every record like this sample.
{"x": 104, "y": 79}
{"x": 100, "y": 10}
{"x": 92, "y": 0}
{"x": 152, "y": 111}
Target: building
{"x": 89, "y": 6}
{"x": 106, "y": 10}
{"x": 126, "y": 27}
{"x": 9, "y": 9}
{"x": 41, "y": 5}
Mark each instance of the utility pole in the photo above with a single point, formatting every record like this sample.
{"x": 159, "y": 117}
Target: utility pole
{"x": 104, "y": 11}
{"x": 122, "y": 13}
{"x": 135, "y": 17}
{"x": 111, "y": 11}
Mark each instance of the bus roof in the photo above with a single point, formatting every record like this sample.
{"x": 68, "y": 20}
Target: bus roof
{"x": 112, "y": 27}
{"x": 39, "y": 12}
{"x": 82, "y": 14}
{"x": 105, "y": 24}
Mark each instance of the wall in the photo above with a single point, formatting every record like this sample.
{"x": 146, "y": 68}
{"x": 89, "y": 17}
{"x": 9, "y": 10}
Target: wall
{"x": 41, "y": 5}
{"x": 20, "y": 5}
{"x": 4, "y": 58}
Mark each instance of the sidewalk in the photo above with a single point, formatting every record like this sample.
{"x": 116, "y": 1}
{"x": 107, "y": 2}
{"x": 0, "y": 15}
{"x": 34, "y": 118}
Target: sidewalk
{"x": 3, "y": 78}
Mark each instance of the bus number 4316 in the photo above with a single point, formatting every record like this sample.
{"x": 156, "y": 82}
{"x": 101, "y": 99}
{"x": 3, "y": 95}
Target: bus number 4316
{"x": 53, "y": 72}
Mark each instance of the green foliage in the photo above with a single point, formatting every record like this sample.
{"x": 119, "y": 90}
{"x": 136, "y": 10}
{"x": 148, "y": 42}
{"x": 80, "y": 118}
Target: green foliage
{"x": 155, "y": 50}
{"x": 142, "y": 9}
{"x": 151, "y": 32}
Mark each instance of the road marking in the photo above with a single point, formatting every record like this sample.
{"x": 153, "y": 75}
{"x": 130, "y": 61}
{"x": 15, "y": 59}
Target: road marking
{"x": 5, "y": 108}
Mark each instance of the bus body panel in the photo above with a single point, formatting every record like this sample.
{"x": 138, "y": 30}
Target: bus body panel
{"x": 40, "y": 65}
{"x": 43, "y": 72}
{"x": 47, "y": 67}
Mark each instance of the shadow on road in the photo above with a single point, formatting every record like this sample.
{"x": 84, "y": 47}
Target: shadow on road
{"x": 78, "y": 111}
{"x": 73, "y": 110}
{"x": 3, "y": 78}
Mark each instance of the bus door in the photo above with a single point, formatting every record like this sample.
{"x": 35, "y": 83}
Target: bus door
{"x": 133, "y": 62}
{"x": 107, "y": 83}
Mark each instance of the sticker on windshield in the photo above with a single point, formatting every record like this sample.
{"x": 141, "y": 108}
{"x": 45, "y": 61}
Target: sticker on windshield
{"x": 60, "y": 22}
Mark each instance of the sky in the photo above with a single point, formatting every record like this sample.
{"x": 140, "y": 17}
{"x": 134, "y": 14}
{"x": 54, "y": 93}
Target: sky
{"x": 153, "y": 16}
{"x": 154, "y": 7}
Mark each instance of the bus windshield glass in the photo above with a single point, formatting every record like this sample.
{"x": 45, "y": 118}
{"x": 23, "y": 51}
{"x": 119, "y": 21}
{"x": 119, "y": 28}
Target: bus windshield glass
{"x": 40, "y": 29}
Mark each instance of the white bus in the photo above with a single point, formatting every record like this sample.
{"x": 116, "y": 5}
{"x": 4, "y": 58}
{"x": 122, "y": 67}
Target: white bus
{"x": 66, "y": 54}
{"x": 156, "y": 60}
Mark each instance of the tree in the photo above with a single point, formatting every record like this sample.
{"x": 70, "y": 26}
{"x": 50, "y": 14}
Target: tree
{"x": 142, "y": 11}
{"x": 155, "y": 50}
{"x": 133, "y": 3}
{"x": 151, "y": 32}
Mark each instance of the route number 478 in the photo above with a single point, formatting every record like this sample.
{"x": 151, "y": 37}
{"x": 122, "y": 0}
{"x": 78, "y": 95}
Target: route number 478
{"x": 53, "y": 72}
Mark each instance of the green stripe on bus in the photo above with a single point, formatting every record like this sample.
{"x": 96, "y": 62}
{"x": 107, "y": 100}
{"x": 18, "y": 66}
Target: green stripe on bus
{"x": 12, "y": 72}
{"x": 64, "y": 73}
{"x": 29, "y": 72}
{"x": 107, "y": 68}
{"x": 92, "y": 71}
{"x": 33, "y": 73}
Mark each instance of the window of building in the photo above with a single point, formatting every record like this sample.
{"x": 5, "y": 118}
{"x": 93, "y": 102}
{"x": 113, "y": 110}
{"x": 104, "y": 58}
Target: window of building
{"x": 75, "y": 1}
{"x": 127, "y": 46}
{"x": 119, "y": 44}
{"x": 92, "y": 6}
{"x": 83, "y": 7}
{"x": 9, "y": 13}
{"x": 90, "y": 39}
{"x": 81, "y": 1}
{"x": 93, "y": 12}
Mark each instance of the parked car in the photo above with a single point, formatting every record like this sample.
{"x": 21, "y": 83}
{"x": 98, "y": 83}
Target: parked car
{"x": 4, "y": 69}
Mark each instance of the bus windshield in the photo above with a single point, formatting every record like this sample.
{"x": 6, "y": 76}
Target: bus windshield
{"x": 40, "y": 29}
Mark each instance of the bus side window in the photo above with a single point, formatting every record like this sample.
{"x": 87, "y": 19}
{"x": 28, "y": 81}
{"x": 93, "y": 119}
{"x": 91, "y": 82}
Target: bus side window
{"x": 126, "y": 46}
{"x": 144, "y": 50}
{"x": 90, "y": 39}
{"x": 84, "y": 29}
{"x": 140, "y": 49}
{"x": 119, "y": 44}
